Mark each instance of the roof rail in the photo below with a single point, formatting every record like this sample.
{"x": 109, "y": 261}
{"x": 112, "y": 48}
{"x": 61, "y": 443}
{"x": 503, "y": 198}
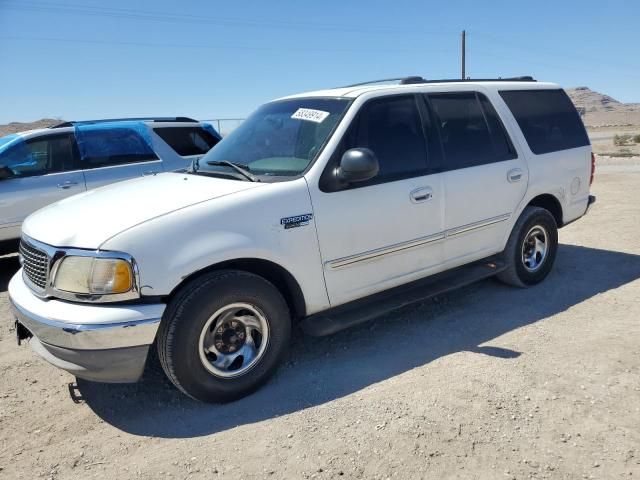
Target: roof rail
{"x": 412, "y": 80}
{"x": 400, "y": 80}
{"x": 132, "y": 119}
{"x": 524, "y": 78}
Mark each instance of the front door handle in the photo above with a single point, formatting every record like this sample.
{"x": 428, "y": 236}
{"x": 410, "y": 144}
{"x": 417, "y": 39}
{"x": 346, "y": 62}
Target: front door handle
{"x": 422, "y": 194}
{"x": 150, "y": 172}
{"x": 66, "y": 185}
{"x": 514, "y": 175}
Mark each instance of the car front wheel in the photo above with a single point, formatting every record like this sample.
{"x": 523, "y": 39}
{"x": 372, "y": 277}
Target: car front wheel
{"x": 223, "y": 335}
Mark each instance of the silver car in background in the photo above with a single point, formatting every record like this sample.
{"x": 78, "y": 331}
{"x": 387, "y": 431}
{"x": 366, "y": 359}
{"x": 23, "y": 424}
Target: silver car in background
{"x": 39, "y": 167}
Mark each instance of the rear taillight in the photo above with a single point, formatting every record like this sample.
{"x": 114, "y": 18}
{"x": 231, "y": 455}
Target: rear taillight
{"x": 593, "y": 167}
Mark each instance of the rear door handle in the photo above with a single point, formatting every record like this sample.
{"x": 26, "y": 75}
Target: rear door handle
{"x": 514, "y": 175}
{"x": 422, "y": 194}
{"x": 66, "y": 185}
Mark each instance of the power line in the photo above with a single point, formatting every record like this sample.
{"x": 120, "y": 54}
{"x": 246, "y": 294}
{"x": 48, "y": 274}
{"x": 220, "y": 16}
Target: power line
{"x": 509, "y": 44}
{"x": 77, "y": 40}
{"x": 529, "y": 61}
{"x": 168, "y": 17}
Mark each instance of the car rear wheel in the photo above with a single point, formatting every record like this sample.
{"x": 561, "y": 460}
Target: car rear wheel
{"x": 223, "y": 335}
{"x": 531, "y": 248}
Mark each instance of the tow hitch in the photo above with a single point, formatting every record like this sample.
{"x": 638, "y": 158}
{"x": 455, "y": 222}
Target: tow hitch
{"x": 22, "y": 333}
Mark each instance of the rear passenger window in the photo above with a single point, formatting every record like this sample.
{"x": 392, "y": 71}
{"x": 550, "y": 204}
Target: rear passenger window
{"x": 187, "y": 140}
{"x": 547, "y": 118}
{"x": 104, "y": 145}
{"x": 392, "y": 129}
{"x": 470, "y": 129}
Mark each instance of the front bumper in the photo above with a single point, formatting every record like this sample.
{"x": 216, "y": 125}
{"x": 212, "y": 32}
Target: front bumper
{"x": 105, "y": 343}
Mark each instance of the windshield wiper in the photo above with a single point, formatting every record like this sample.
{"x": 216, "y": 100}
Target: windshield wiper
{"x": 238, "y": 167}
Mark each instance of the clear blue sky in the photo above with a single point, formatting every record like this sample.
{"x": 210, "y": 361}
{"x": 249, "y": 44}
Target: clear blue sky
{"x": 90, "y": 59}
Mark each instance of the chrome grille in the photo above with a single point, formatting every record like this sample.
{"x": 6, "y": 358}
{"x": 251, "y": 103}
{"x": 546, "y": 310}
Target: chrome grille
{"x": 35, "y": 264}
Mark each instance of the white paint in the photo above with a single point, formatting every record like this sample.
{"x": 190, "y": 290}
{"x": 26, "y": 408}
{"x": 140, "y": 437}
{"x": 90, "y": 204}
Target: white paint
{"x": 175, "y": 225}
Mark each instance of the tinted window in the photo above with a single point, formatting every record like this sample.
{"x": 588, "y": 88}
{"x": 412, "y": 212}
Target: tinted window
{"x": 392, "y": 129}
{"x": 547, "y": 118}
{"x": 39, "y": 156}
{"x": 502, "y": 146}
{"x": 470, "y": 134}
{"x": 104, "y": 145}
{"x": 187, "y": 140}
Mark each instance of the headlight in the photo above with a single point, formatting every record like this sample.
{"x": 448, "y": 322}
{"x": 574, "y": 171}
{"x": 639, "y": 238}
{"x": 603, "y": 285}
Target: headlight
{"x": 94, "y": 276}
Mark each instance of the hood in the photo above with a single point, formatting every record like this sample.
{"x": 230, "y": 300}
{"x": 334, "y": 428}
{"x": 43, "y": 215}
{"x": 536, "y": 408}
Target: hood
{"x": 89, "y": 219}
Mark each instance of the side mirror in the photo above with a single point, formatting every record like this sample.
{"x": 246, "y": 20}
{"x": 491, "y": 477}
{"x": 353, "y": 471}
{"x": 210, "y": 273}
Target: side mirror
{"x": 358, "y": 165}
{"x": 5, "y": 172}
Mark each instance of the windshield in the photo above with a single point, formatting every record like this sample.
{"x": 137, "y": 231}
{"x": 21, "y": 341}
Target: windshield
{"x": 279, "y": 139}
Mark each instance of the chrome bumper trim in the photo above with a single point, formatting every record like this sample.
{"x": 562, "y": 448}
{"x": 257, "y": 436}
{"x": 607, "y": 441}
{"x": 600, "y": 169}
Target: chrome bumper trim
{"x": 88, "y": 336}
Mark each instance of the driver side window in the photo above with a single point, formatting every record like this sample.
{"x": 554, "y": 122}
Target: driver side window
{"x": 392, "y": 128}
{"x": 39, "y": 156}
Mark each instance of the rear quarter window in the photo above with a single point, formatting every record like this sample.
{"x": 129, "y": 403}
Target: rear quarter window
{"x": 548, "y": 119}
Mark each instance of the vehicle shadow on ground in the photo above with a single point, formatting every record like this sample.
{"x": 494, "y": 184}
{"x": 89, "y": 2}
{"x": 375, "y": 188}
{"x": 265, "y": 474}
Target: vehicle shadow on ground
{"x": 9, "y": 265}
{"x": 320, "y": 370}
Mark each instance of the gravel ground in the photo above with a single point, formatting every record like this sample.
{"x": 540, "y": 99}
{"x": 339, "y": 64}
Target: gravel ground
{"x": 485, "y": 382}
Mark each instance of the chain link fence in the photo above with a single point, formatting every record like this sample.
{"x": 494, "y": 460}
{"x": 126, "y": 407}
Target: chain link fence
{"x": 224, "y": 125}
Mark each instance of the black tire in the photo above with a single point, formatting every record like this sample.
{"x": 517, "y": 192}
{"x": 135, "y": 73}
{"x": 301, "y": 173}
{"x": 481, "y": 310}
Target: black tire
{"x": 518, "y": 273}
{"x": 186, "y": 316}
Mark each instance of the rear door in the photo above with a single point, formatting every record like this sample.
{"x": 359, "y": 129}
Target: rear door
{"x": 178, "y": 146}
{"x": 112, "y": 152}
{"x": 484, "y": 177}
{"x": 37, "y": 172}
{"x": 558, "y": 145}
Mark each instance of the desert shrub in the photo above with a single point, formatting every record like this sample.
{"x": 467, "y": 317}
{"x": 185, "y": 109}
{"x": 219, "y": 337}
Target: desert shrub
{"x": 621, "y": 140}
{"x": 636, "y": 139}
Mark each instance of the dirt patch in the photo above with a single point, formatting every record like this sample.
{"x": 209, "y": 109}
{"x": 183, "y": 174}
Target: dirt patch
{"x": 485, "y": 382}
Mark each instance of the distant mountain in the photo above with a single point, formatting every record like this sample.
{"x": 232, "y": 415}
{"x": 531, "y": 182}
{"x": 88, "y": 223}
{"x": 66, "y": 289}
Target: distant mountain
{"x": 598, "y": 109}
{"x": 15, "y": 127}
{"x": 598, "y": 102}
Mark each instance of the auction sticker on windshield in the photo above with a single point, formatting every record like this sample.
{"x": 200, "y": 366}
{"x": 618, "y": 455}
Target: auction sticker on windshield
{"x": 310, "y": 115}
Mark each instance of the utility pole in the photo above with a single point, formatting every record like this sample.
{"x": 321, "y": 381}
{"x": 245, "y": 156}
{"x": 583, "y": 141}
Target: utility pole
{"x": 464, "y": 48}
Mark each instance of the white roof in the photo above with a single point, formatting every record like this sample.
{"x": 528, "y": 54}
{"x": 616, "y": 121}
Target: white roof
{"x": 355, "y": 91}
{"x": 26, "y": 133}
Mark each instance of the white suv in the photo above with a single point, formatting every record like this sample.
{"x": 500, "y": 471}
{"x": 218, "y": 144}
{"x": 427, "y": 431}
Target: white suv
{"x": 39, "y": 167}
{"x": 323, "y": 209}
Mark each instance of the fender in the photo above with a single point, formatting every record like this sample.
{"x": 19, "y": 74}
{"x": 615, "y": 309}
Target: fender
{"x": 555, "y": 192}
{"x": 246, "y": 225}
